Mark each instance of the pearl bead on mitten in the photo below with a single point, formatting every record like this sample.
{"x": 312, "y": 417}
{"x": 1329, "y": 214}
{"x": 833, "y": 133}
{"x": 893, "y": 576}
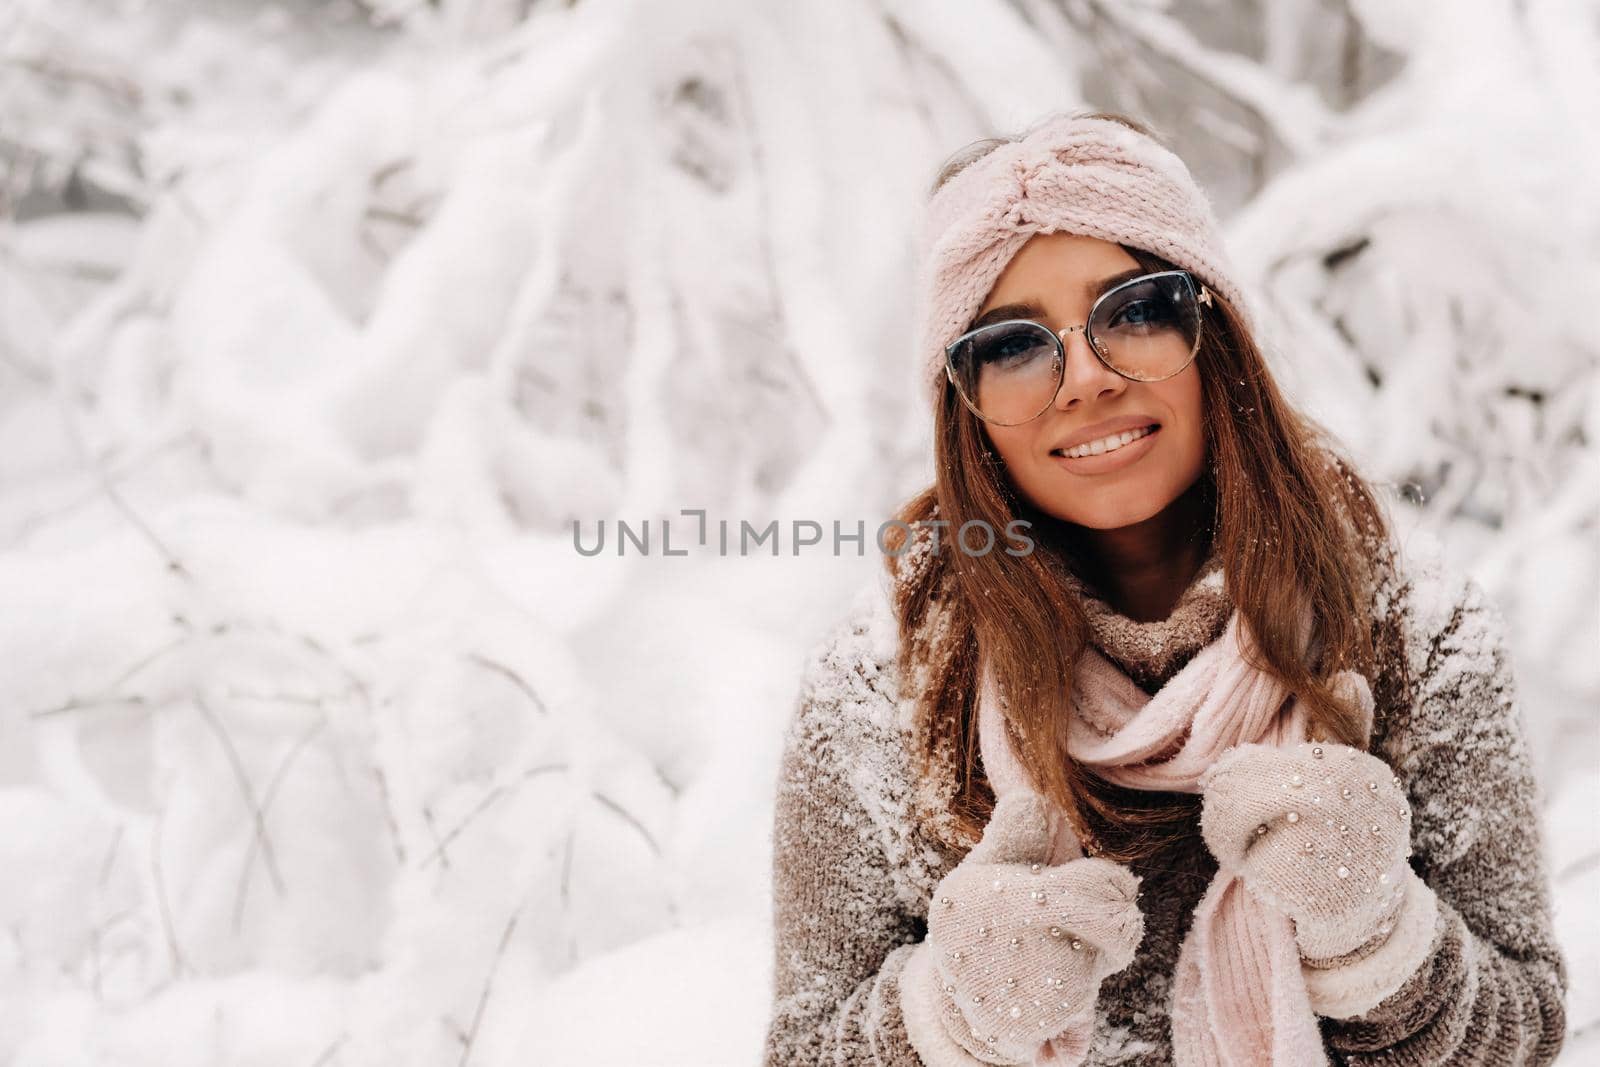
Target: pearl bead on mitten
{"x": 1021, "y": 946}
{"x": 1319, "y": 831}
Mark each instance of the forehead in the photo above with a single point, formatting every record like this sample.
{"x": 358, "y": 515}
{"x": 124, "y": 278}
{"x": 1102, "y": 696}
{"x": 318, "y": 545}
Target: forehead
{"x": 1058, "y": 272}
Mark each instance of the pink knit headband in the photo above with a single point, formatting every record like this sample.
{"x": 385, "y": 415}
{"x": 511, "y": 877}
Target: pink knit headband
{"x": 1086, "y": 176}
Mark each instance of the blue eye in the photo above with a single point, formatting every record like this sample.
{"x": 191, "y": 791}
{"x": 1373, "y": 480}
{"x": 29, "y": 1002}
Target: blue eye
{"x": 1007, "y": 348}
{"x": 1142, "y": 313}
{"x": 1012, "y": 347}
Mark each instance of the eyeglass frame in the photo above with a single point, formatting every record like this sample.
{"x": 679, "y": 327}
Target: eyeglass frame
{"x": 1202, "y": 299}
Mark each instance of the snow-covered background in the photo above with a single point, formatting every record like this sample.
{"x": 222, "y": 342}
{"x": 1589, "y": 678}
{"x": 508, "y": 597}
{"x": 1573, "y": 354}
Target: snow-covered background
{"x": 320, "y": 322}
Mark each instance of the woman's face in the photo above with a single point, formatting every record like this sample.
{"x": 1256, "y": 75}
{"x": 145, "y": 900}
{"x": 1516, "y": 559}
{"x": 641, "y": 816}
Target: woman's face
{"x": 1058, "y": 275}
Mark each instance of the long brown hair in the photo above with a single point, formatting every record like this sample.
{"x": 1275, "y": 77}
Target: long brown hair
{"x": 1290, "y": 519}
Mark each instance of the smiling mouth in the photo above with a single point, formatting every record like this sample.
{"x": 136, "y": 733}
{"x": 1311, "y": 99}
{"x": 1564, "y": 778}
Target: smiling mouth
{"x": 1108, "y": 444}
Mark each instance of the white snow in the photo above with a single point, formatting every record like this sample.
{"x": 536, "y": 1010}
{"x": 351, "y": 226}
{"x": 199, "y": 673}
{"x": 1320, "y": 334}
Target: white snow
{"x": 323, "y": 745}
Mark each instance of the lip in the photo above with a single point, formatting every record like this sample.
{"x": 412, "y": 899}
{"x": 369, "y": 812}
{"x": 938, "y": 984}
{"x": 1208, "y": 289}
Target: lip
{"x": 1098, "y": 430}
{"x": 1106, "y": 462}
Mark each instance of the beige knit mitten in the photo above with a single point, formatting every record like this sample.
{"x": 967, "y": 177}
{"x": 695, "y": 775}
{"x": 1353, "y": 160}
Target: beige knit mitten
{"x": 1318, "y": 831}
{"x": 1020, "y": 946}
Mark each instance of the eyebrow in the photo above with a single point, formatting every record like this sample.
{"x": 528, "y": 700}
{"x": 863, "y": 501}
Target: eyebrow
{"x": 1029, "y": 309}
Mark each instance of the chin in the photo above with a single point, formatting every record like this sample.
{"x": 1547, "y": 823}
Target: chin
{"x": 1113, "y": 509}
{"x": 1110, "y": 519}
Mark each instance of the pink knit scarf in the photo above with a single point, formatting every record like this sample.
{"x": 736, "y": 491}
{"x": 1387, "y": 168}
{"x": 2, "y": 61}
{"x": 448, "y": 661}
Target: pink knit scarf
{"x": 1238, "y": 999}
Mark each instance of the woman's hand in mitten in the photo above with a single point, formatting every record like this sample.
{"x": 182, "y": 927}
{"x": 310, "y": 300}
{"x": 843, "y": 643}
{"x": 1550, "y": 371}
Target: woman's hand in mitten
{"x": 1319, "y": 831}
{"x": 1022, "y": 946}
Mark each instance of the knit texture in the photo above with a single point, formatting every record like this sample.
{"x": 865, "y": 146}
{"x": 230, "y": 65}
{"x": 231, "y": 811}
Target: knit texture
{"x": 1092, "y": 177}
{"x": 1319, "y": 832}
{"x": 1238, "y": 993}
{"x": 1019, "y": 946}
{"x": 861, "y": 843}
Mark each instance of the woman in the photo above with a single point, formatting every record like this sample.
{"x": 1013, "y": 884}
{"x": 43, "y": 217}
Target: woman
{"x": 1205, "y": 772}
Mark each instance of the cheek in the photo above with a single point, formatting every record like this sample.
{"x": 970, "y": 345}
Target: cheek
{"x": 1184, "y": 395}
{"x": 1010, "y": 443}
{"x": 1186, "y": 401}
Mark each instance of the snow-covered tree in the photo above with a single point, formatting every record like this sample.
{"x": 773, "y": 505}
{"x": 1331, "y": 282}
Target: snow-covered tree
{"x": 322, "y": 323}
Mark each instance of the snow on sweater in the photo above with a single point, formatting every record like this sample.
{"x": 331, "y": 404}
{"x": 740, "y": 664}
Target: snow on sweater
{"x": 858, "y": 850}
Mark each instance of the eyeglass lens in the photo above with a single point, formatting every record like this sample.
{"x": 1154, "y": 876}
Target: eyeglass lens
{"x": 1144, "y": 330}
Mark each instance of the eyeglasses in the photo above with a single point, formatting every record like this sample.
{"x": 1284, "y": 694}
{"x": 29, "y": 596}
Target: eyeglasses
{"x": 1146, "y": 329}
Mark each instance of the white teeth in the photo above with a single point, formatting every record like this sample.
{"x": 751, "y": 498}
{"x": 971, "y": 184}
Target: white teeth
{"x": 1107, "y": 444}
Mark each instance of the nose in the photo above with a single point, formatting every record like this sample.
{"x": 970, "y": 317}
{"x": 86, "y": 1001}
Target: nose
{"x": 1084, "y": 377}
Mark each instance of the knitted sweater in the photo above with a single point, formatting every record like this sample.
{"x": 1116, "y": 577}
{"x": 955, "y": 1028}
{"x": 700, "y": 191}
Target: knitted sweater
{"x": 858, "y": 848}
